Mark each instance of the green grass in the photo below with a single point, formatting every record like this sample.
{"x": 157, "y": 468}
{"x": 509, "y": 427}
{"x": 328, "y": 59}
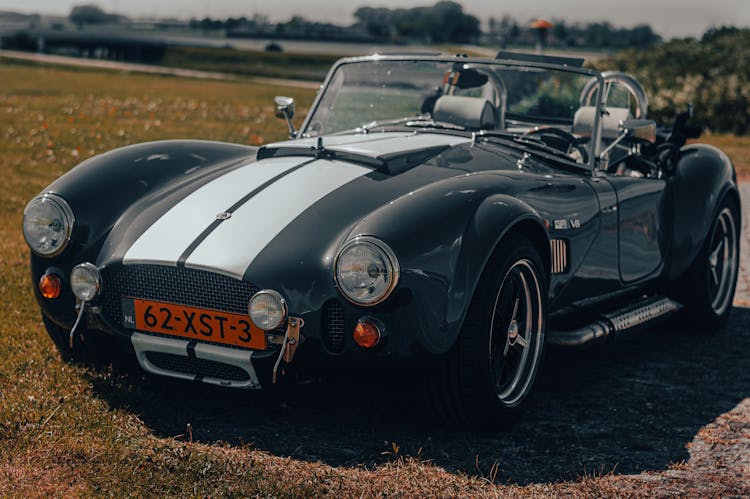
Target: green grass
{"x": 250, "y": 63}
{"x": 58, "y": 434}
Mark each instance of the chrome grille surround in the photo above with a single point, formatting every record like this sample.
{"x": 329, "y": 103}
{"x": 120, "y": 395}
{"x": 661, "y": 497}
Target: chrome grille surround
{"x": 182, "y": 286}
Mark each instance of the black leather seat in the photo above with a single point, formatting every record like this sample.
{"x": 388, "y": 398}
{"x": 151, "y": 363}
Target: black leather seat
{"x": 474, "y": 113}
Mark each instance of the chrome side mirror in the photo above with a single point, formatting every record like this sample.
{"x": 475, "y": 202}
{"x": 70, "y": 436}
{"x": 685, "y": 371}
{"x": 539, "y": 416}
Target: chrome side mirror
{"x": 284, "y": 107}
{"x": 639, "y": 129}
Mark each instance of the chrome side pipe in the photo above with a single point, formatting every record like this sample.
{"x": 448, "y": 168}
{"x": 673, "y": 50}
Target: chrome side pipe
{"x": 625, "y": 320}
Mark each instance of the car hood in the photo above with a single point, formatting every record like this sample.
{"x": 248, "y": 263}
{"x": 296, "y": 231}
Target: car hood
{"x": 290, "y": 207}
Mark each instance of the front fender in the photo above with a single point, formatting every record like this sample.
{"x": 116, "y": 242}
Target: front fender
{"x": 443, "y": 236}
{"x": 703, "y": 177}
{"x": 494, "y": 218}
{"x": 101, "y": 188}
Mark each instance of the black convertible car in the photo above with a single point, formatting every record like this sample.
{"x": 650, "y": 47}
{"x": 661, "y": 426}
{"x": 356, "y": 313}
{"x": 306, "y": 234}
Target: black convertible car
{"x": 455, "y": 213}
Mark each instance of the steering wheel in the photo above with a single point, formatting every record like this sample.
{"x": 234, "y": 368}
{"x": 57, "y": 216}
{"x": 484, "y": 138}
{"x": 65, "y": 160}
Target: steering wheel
{"x": 552, "y": 137}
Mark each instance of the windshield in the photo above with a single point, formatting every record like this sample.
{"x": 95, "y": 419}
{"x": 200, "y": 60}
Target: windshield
{"x": 362, "y": 95}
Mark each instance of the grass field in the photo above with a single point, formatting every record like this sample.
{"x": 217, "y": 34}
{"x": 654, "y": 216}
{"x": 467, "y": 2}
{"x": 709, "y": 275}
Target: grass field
{"x": 250, "y": 63}
{"x": 58, "y": 434}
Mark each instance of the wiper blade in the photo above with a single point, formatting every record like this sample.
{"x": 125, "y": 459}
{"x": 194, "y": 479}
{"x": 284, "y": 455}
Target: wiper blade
{"x": 421, "y": 121}
{"x": 527, "y": 142}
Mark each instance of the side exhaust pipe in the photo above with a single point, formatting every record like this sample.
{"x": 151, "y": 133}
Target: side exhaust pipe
{"x": 634, "y": 317}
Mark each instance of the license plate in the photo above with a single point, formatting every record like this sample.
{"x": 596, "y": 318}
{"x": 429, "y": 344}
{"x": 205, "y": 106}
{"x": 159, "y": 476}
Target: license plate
{"x": 192, "y": 323}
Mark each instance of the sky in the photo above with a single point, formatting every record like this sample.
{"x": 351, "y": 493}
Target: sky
{"x": 670, "y": 18}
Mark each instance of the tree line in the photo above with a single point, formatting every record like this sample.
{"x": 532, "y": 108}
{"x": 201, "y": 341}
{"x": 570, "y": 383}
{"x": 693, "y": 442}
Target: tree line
{"x": 711, "y": 73}
{"x": 444, "y": 22}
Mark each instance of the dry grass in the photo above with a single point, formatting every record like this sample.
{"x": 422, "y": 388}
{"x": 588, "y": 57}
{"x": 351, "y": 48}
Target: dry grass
{"x": 738, "y": 149}
{"x": 57, "y": 437}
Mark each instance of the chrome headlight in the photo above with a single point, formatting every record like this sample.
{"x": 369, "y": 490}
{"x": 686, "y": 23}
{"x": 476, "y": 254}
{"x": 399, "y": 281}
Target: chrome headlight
{"x": 85, "y": 281}
{"x": 47, "y": 225}
{"x": 366, "y": 271}
{"x": 267, "y": 309}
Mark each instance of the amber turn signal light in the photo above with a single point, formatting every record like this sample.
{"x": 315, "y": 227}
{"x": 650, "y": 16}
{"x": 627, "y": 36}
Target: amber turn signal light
{"x": 50, "y": 286}
{"x": 366, "y": 334}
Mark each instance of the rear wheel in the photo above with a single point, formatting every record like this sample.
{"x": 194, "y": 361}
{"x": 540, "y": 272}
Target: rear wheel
{"x": 488, "y": 375}
{"x": 708, "y": 290}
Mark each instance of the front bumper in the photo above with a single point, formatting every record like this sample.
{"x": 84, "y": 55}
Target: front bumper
{"x": 191, "y": 361}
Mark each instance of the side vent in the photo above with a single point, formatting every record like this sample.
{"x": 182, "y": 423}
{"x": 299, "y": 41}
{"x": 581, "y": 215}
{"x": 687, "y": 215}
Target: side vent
{"x": 332, "y": 327}
{"x": 559, "y": 251}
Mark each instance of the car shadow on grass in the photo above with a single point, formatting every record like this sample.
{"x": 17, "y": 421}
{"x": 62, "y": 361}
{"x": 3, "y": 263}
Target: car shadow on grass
{"x": 629, "y": 407}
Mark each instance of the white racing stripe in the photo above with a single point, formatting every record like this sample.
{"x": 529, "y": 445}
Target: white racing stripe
{"x": 164, "y": 242}
{"x": 231, "y": 248}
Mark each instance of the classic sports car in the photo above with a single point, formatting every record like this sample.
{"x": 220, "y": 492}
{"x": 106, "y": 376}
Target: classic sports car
{"x": 449, "y": 212}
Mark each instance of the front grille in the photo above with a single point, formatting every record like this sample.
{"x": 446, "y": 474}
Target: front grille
{"x": 199, "y": 367}
{"x": 333, "y": 327}
{"x": 183, "y": 286}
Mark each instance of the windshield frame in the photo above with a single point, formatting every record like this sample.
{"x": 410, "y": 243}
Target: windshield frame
{"x": 595, "y": 134}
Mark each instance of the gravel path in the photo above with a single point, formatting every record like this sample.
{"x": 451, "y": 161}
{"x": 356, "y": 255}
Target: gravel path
{"x": 742, "y": 295}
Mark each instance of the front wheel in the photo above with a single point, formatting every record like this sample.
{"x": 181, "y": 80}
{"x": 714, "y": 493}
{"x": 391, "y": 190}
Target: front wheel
{"x": 489, "y": 373}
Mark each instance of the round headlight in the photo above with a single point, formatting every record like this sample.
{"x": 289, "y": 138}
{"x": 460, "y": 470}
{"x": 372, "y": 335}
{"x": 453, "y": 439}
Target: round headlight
{"x": 85, "y": 281}
{"x": 47, "y": 225}
{"x": 366, "y": 271}
{"x": 267, "y": 309}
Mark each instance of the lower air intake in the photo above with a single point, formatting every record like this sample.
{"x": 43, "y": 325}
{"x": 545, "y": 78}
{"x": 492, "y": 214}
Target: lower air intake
{"x": 198, "y": 367}
{"x": 333, "y": 328}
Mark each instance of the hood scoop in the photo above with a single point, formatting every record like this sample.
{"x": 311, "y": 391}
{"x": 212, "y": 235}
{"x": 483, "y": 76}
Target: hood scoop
{"x": 392, "y": 153}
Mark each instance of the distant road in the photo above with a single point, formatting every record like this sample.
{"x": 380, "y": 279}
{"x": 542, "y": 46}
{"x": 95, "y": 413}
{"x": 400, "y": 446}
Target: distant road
{"x": 145, "y": 68}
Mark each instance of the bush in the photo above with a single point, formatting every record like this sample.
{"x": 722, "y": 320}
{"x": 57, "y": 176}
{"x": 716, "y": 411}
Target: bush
{"x": 712, "y": 74}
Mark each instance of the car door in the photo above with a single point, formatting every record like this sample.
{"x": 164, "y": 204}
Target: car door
{"x": 640, "y": 227}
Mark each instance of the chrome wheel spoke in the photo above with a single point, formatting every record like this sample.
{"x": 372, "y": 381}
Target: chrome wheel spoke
{"x": 723, "y": 261}
{"x": 714, "y": 276}
{"x": 521, "y": 341}
{"x": 713, "y": 259}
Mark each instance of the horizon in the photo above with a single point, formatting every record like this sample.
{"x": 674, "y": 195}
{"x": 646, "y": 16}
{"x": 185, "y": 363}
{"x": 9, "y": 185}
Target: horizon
{"x": 668, "y": 18}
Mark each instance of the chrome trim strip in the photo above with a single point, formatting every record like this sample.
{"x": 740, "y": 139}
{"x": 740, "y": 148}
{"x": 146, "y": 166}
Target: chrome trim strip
{"x": 559, "y": 253}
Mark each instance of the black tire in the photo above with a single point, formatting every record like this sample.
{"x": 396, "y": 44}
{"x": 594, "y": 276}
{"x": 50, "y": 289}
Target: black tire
{"x": 93, "y": 348}
{"x": 707, "y": 289}
{"x": 487, "y": 376}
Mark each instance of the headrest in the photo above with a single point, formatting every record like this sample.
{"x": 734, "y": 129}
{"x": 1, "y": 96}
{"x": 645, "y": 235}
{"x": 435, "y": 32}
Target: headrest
{"x": 472, "y": 112}
{"x": 583, "y": 121}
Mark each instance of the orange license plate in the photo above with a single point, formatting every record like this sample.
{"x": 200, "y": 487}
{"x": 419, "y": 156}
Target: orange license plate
{"x": 192, "y": 323}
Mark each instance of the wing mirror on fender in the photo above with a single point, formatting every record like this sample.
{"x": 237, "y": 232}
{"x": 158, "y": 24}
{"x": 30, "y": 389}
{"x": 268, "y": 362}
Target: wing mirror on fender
{"x": 285, "y": 110}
